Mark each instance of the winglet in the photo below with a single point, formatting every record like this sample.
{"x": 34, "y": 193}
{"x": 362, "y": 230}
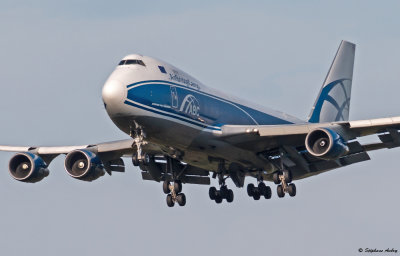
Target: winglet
{"x": 333, "y": 102}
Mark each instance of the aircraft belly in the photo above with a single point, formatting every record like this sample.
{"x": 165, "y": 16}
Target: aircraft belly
{"x": 196, "y": 147}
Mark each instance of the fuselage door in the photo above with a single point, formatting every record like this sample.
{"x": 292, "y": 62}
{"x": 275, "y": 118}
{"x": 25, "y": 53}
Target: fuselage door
{"x": 174, "y": 97}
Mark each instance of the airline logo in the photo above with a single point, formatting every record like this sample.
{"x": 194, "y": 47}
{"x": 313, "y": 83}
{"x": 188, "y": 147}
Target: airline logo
{"x": 190, "y": 105}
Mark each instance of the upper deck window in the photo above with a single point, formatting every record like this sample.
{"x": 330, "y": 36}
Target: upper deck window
{"x": 162, "y": 69}
{"x": 131, "y": 62}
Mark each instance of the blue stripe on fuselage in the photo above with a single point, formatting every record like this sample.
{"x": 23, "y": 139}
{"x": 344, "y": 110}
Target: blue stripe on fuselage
{"x": 194, "y": 106}
{"x": 172, "y": 116}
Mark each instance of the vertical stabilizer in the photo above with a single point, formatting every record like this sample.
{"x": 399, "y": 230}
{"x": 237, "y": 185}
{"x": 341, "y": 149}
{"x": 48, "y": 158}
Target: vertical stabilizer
{"x": 333, "y": 102}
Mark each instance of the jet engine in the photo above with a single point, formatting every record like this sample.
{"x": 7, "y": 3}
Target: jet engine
{"x": 326, "y": 144}
{"x": 84, "y": 165}
{"x": 27, "y": 167}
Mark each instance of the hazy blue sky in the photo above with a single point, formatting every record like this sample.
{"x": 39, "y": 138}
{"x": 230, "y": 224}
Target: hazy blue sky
{"x": 56, "y": 55}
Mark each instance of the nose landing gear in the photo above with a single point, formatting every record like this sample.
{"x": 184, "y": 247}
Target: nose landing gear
{"x": 139, "y": 141}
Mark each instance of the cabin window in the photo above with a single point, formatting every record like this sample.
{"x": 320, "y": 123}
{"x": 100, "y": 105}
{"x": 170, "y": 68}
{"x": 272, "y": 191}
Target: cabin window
{"x": 162, "y": 69}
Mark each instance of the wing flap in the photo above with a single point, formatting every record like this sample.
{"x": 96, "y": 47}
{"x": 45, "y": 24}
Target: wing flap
{"x": 200, "y": 180}
{"x": 303, "y": 165}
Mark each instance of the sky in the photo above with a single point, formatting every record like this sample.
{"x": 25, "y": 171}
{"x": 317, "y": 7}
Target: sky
{"x": 56, "y": 55}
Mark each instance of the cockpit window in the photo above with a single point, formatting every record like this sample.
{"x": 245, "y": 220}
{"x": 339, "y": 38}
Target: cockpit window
{"x": 131, "y": 62}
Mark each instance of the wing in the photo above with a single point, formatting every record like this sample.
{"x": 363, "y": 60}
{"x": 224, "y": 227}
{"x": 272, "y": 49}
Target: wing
{"x": 30, "y": 164}
{"x": 286, "y": 144}
{"x": 100, "y": 157}
{"x": 107, "y": 149}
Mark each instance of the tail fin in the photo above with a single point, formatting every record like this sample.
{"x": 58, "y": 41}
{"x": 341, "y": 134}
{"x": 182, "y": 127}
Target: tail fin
{"x": 333, "y": 102}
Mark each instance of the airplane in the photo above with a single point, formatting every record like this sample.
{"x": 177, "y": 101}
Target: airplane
{"x": 183, "y": 132}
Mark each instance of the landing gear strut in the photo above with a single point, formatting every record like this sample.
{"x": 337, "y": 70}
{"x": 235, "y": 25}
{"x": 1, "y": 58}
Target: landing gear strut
{"x": 260, "y": 190}
{"x": 174, "y": 189}
{"x": 222, "y": 193}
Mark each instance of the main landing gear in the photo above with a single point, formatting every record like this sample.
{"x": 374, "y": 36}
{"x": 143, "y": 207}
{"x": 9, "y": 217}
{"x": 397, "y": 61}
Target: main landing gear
{"x": 222, "y": 193}
{"x": 283, "y": 179}
{"x": 260, "y": 190}
{"x": 173, "y": 191}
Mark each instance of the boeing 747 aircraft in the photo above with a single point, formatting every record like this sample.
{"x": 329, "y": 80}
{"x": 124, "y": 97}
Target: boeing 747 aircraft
{"x": 184, "y": 132}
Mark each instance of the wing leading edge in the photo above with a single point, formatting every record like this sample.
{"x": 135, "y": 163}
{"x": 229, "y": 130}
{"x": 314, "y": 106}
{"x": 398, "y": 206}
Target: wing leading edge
{"x": 120, "y": 146}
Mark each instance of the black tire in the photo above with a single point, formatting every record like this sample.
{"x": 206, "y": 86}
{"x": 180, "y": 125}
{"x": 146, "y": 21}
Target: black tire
{"x": 135, "y": 160}
{"x": 256, "y": 195}
{"x": 165, "y": 187}
{"x": 223, "y": 192}
{"x": 230, "y": 196}
{"x": 170, "y": 202}
{"x": 262, "y": 188}
{"x": 181, "y": 198}
{"x": 212, "y": 192}
{"x": 268, "y": 192}
{"x": 178, "y": 186}
{"x": 292, "y": 189}
{"x": 288, "y": 176}
{"x": 279, "y": 191}
{"x": 250, "y": 189}
{"x": 218, "y": 199}
{"x": 275, "y": 177}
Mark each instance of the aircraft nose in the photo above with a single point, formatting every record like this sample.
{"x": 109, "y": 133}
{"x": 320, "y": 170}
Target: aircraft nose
{"x": 114, "y": 93}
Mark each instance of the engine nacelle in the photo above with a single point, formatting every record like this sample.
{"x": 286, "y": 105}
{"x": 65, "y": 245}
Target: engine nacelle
{"x": 84, "y": 165}
{"x": 326, "y": 144}
{"x": 27, "y": 167}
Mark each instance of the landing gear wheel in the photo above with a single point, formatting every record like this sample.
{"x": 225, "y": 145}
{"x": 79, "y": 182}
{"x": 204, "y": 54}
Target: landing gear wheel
{"x": 229, "y": 197}
{"x": 135, "y": 160}
{"x": 250, "y": 189}
{"x": 181, "y": 199}
{"x": 280, "y": 191}
{"x": 218, "y": 199}
{"x": 262, "y": 188}
{"x": 256, "y": 195}
{"x": 291, "y": 189}
{"x": 170, "y": 201}
{"x": 165, "y": 187}
{"x": 275, "y": 177}
{"x": 178, "y": 186}
{"x": 287, "y": 176}
{"x": 223, "y": 192}
{"x": 268, "y": 193}
{"x": 212, "y": 192}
